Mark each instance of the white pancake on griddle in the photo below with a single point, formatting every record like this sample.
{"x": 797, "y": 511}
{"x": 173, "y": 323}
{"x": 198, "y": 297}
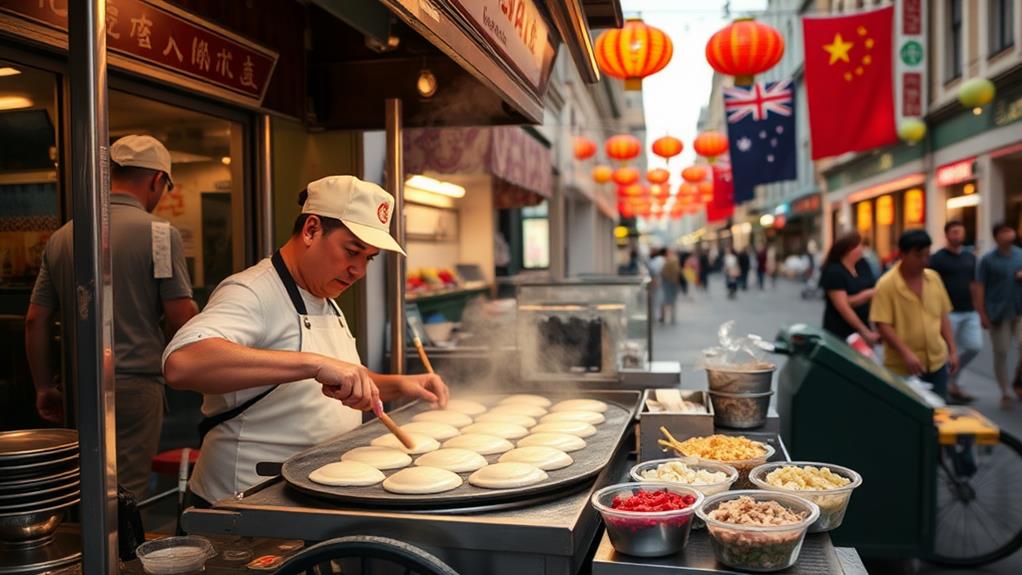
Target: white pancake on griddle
{"x": 438, "y": 431}
{"x": 423, "y": 443}
{"x": 527, "y": 399}
{"x": 346, "y": 474}
{"x": 520, "y": 409}
{"x": 381, "y": 458}
{"x": 580, "y": 405}
{"x": 422, "y": 480}
{"x": 505, "y": 430}
{"x": 507, "y": 476}
{"x": 466, "y": 406}
{"x": 453, "y": 459}
{"x": 543, "y": 457}
{"x": 481, "y": 444}
{"x": 579, "y": 428}
{"x": 590, "y": 417}
{"x": 453, "y": 418}
{"x": 562, "y": 441}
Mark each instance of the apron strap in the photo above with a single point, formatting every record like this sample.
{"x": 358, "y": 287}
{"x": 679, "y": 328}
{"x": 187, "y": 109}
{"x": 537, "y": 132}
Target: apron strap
{"x": 289, "y": 283}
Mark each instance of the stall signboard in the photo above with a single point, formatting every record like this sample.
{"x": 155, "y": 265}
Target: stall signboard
{"x": 517, "y": 30}
{"x": 915, "y": 207}
{"x": 956, "y": 173}
{"x": 162, "y": 35}
{"x": 807, "y": 205}
{"x": 885, "y": 211}
{"x": 910, "y": 62}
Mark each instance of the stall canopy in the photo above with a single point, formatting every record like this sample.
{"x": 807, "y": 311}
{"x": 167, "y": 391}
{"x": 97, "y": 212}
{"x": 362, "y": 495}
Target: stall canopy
{"x": 518, "y": 163}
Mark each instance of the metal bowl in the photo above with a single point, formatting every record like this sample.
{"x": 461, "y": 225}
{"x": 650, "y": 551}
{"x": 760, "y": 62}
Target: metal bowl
{"x": 741, "y": 381}
{"x": 740, "y": 410}
{"x": 33, "y": 526}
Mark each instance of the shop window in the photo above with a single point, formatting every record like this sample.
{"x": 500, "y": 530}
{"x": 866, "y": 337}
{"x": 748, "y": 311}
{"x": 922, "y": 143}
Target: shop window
{"x": 1001, "y": 24}
{"x": 207, "y": 203}
{"x": 963, "y": 205}
{"x": 536, "y": 237}
{"x": 29, "y": 204}
{"x": 953, "y": 47}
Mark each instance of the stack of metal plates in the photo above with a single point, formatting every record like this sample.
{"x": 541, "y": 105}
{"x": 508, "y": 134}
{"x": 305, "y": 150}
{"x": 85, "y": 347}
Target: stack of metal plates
{"x": 39, "y": 481}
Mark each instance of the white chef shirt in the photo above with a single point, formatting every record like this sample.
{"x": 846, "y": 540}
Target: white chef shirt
{"x": 249, "y": 308}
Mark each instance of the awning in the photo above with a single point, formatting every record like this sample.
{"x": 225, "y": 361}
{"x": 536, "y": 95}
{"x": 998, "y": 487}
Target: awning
{"x": 519, "y": 163}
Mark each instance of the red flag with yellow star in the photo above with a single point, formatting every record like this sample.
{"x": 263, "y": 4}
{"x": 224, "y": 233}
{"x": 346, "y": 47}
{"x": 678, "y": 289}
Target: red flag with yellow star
{"x": 850, "y": 81}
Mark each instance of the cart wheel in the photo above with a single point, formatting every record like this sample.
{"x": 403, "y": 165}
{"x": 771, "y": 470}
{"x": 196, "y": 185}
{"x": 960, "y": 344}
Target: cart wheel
{"x": 979, "y": 512}
{"x": 413, "y": 559}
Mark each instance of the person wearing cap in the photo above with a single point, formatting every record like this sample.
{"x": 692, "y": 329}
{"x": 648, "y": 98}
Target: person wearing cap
{"x": 272, "y": 353}
{"x": 149, "y": 282}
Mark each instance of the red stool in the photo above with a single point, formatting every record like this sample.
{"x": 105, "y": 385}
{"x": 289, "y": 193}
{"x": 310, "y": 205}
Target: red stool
{"x": 169, "y": 462}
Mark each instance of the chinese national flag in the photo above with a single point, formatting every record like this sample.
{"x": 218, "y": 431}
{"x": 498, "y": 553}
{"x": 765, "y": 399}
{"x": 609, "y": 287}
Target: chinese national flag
{"x": 850, "y": 82}
{"x": 722, "y": 206}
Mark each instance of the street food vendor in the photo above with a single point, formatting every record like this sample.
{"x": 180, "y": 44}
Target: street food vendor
{"x": 272, "y": 353}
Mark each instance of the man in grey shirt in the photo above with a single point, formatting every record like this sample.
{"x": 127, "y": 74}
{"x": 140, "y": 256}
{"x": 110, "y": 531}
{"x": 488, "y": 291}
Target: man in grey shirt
{"x": 150, "y": 283}
{"x": 999, "y": 303}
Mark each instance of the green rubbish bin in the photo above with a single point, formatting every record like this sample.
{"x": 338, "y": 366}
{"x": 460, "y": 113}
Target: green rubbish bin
{"x": 837, "y": 406}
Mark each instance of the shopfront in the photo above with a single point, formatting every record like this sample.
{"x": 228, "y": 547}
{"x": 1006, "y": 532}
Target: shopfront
{"x": 958, "y": 186}
{"x": 882, "y": 219}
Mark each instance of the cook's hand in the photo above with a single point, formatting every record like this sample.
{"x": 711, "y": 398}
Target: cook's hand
{"x": 49, "y": 402}
{"x": 427, "y": 386}
{"x": 915, "y": 367}
{"x": 348, "y": 383}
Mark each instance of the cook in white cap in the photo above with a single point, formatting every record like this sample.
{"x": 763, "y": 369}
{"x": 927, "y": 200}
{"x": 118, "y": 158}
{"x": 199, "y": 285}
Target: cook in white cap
{"x": 152, "y": 296}
{"x": 272, "y": 353}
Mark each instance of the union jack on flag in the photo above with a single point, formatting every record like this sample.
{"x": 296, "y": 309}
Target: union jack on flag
{"x": 758, "y": 100}
{"x": 761, "y": 135}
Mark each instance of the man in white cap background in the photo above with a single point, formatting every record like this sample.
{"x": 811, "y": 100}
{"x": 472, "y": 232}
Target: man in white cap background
{"x": 272, "y": 352}
{"x": 150, "y": 283}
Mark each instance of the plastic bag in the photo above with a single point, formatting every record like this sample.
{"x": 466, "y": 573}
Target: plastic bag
{"x": 737, "y": 353}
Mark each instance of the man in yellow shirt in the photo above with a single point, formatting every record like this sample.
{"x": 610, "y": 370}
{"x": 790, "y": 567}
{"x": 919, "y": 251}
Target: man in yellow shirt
{"x": 910, "y": 308}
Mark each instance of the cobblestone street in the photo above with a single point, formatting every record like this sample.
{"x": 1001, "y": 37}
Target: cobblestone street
{"x": 764, "y": 313}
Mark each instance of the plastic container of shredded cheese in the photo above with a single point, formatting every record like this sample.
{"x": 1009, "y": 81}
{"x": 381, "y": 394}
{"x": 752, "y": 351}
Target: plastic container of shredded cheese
{"x": 832, "y": 502}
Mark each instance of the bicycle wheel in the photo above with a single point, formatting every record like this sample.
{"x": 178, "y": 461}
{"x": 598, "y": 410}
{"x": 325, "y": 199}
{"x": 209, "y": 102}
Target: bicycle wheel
{"x": 979, "y": 512}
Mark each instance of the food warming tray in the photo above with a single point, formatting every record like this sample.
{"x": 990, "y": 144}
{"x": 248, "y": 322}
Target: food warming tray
{"x": 588, "y": 462}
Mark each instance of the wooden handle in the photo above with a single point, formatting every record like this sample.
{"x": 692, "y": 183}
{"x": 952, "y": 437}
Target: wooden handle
{"x": 423, "y": 356}
{"x": 401, "y": 434}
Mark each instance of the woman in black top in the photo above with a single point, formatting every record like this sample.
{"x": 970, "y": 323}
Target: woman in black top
{"x": 847, "y": 280}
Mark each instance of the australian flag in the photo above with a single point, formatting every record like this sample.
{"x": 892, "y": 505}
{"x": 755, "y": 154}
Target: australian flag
{"x": 761, "y": 135}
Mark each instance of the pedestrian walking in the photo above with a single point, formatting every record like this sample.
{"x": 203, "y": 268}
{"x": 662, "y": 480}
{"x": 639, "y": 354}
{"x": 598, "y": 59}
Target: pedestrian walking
{"x": 744, "y": 266}
{"x": 871, "y": 258}
{"x": 848, "y": 284}
{"x": 761, "y": 267}
{"x": 956, "y": 265}
{"x": 732, "y": 271}
{"x": 910, "y": 309}
{"x": 704, "y": 270}
{"x": 999, "y": 303}
{"x": 654, "y": 266}
{"x": 773, "y": 265}
{"x": 670, "y": 280}
{"x": 152, "y": 297}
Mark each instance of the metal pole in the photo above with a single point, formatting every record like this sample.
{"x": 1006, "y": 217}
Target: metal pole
{"x": 93, "y": 353}
{"x": 266, "y": 240}
{"x": 395, "y": 262}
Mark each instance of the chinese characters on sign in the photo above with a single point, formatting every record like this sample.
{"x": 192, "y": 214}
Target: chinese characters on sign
{"x": 165, "y": 36}
{"x": 910, "y": 65}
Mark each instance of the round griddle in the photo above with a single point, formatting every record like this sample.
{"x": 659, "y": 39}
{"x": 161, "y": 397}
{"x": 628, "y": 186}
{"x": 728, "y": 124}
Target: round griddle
{"x": 589, "y": 462}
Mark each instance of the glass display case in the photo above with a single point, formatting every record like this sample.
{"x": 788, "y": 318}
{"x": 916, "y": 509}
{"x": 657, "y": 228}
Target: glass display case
{"x": 588, "y": 328}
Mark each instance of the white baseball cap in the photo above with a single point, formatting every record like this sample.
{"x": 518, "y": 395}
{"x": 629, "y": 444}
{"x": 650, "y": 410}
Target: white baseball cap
{"x": 363, "y": 207}
{"x": 141, "y": 152}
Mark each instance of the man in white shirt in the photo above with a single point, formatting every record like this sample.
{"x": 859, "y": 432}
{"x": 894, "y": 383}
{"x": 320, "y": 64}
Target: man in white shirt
{"x": 272, "y": 353}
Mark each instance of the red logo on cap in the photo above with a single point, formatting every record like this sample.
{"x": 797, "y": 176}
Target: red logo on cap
{"x": 381, "y": 212}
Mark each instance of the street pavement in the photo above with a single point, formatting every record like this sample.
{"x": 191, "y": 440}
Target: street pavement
{"x": 764, "y": 313}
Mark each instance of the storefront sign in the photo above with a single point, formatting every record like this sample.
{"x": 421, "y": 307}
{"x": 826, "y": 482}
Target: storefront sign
{"x": 165, "y": 36}
{"x": 516, "y": 29}
{"x": 910, "y": 65}
{"x": 864, "y": 216}
{"x": 955, "y": 173}
{"x": 914, "y": 205}
{"x": 885, "y": 211}
{"x": 806, "y": 205}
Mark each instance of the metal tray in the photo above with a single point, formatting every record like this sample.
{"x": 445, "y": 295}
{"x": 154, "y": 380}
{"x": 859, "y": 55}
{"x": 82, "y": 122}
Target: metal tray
{"x": 38, "y": 482}
{"x": 37, "y": 468}
{"x": 589, "y": 461}
{"x": 35, "y": 444}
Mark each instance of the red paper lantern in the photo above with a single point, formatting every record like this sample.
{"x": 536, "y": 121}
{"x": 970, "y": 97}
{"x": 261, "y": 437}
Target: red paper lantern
{"x": 634, "y": 191}
{"x": 623, "y": 147}
{"x": 625, "y": 176}
{"x": 745, "y": 48}
{"x": 660, "y": 193}
{"x": 705, "y": 192}
{"x": 633, "y": 52}
{"x": 658, "y": 176}
{"x": 625, "y": 209}
{"x": 667, "y": 147}
{"x": 710, "y": 144}
{"x": 584, "y": 148}
{"x": 694, "y": 174}
{"x": 602, "y": 174}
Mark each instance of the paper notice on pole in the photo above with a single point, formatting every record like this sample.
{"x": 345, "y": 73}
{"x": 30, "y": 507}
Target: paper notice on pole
{"x": 161, "y": 250}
